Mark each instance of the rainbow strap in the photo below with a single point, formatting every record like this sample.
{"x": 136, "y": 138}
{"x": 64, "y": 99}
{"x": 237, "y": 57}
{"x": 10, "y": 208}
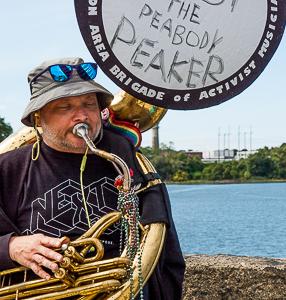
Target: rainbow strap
{"x": 127, "y": 129}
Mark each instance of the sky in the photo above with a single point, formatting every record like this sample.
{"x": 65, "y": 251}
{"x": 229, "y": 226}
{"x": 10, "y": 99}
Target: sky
{"x": 33, "y": 31}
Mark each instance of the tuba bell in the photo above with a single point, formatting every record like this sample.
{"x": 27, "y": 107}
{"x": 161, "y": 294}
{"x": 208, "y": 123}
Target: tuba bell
{"x": 84, "y": 274}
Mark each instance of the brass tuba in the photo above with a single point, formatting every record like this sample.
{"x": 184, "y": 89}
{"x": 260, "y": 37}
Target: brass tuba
{"x": 84, "y": 274}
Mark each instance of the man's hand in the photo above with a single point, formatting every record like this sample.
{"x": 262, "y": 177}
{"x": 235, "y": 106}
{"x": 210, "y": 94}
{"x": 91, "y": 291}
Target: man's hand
{"x": 36, "y": 250}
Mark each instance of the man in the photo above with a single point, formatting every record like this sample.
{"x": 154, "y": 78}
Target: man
{"x": 41, "y": 193}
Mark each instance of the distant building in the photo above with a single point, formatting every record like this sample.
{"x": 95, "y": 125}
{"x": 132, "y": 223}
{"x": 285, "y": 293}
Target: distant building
{"x": 220, "y": 155}
{"x": 192, "y": 154}
{"x": 244, "y": 153}
{"x": 226, "y": 154}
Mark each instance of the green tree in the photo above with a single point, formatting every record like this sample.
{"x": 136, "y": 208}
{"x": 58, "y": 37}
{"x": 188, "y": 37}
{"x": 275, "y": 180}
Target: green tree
{"x": 5, "y": 129}
{"x": 194, "y": 167}
{"x": 213, "y": 171}
{"x": 241, "y": 168}
{"x": 173, "y": 165}
{"x": 234, "y": 172}
{"x": 246, "y": 175}
{"x": 261, "y": 164}
{"x": 278, "y": 155}
{"x": 217, "y": 172}
{"x": 207, "y": 172}
{"x": 227, "y": 172}
{"x": 197, "y": 175}
{"x": 180, "y": 176}
{"x": 178, "y": 166}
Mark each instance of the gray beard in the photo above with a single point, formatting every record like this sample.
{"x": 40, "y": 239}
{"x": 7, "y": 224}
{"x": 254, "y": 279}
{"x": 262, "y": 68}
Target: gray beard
{"x": 52, "y": 136}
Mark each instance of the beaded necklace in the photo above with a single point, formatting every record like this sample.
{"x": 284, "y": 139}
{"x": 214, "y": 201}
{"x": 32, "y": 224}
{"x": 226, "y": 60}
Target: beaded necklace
{"x": 128, "y": 205}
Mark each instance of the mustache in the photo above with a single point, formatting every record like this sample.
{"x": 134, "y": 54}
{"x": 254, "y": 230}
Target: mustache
{"x": 94, "y": 132}
{"x": 89, "y": 127}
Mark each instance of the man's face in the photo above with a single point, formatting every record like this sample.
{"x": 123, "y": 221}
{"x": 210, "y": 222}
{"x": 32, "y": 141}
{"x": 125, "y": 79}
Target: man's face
{"x": 58, "y": 118}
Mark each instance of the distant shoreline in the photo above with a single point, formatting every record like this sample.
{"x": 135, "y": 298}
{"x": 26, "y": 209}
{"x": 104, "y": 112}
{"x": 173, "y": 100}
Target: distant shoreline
{"x": 227, "y": 181}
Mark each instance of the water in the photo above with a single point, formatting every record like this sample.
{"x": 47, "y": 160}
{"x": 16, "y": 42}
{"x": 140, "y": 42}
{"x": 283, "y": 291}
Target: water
{"x": 238, "y": 219}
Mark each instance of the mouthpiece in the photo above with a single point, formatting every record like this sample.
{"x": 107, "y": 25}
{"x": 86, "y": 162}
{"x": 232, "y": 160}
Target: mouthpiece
{"x": 81, "y": 130}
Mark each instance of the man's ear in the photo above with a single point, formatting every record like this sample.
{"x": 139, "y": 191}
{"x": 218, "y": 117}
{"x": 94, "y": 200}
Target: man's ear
{"x": 37, "y": 119}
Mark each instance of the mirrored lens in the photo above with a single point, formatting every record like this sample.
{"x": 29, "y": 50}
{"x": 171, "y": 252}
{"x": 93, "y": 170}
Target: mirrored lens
{"x": 87, "y": 71}
{"x": 61, "y": 72}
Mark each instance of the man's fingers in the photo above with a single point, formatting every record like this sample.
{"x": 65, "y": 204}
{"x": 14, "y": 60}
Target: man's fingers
{"x": 41, "y": 260}
{"x": 37, "y": 269}
{"x": 51, "y": 242}
{"x": 64, "y": 240}
{"x": 35, "y": 251}
{"x": 49, "y": 253}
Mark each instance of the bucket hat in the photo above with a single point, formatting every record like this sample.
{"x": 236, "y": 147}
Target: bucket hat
{"x": 44, "y": 89}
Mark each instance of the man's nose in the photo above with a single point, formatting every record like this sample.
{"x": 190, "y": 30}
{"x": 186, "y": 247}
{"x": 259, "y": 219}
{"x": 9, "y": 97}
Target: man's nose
{"x": 80, "y": 115}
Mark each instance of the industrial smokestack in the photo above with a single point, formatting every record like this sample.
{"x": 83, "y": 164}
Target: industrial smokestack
{"x": 155, "y": 138}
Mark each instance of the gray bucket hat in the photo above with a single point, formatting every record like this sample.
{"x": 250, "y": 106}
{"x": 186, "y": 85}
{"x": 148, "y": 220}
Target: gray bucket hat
{"x": 44, "y": 89}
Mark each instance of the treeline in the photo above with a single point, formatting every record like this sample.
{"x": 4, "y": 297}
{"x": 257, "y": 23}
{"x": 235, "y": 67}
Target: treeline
{"x": 266, "y": 163}
{"x": 5, "y": 129}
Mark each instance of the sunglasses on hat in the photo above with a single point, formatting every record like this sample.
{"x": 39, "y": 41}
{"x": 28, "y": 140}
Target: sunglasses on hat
{"x": 63, "y": 72}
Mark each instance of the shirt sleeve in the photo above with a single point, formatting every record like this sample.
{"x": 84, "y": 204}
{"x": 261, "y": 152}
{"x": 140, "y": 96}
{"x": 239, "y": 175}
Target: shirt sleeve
{"x": 5, "y": 261}
{"x": 7, "y": 229}
{"x": 166, "y": 282}
{"x": 10, "y": 180}
{"x": 152, "y": 206}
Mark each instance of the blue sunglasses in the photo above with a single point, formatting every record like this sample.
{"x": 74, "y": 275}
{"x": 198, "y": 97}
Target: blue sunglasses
{"x": 63, "y": 72}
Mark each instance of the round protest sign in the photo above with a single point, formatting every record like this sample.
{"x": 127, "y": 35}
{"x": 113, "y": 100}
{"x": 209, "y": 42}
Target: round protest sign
{"x": 182, "y": 54}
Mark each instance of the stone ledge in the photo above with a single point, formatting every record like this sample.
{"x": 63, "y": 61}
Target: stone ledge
{"x": 234, "y": 278}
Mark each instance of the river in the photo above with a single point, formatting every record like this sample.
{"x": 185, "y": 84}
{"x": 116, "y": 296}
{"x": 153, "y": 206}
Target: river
{"x": 237, "y": 219}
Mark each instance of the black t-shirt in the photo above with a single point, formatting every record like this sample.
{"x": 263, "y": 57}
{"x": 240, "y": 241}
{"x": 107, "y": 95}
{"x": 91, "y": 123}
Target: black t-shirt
{"x": 44, "y": 196}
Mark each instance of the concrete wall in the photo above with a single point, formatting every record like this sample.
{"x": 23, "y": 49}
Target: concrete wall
{"x": 234, "y": 278}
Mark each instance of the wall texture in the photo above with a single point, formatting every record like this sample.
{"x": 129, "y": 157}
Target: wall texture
{"x": 234, "y": 278}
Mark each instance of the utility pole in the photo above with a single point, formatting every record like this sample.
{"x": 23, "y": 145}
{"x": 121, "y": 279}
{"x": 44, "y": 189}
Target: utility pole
{"x": 224, "y": 141}
{"x": 250, "y": 139}
{"x": 244, "y": 137}
{"x": 238, "y": 139}
{"x": 228, "y": 138}
{"x": 218, "y": 144}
